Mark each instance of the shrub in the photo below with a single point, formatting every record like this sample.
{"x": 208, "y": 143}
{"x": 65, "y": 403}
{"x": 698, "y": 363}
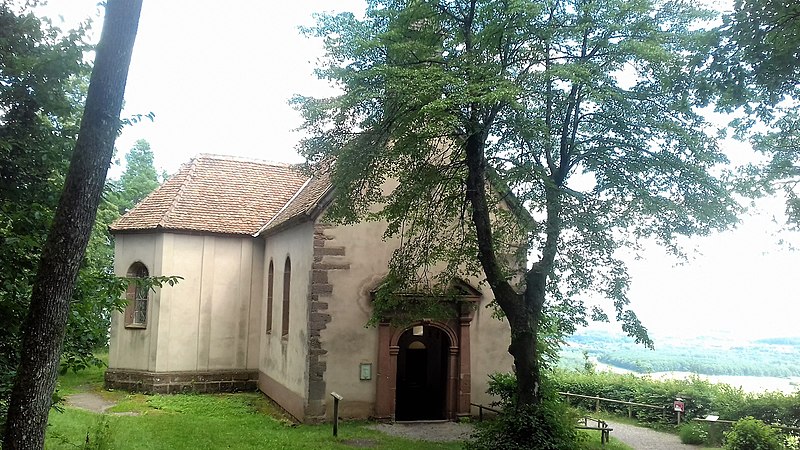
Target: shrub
{"x": 693, "y": 433}
{"x": 791, "y": 442}
{"x": 752, "y": 434}
{"x": 702, "y": 398}
{"x": 549, "y": 425}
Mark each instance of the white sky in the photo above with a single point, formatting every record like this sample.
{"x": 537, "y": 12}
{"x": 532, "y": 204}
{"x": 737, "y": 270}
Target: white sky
{"x": 218, "y": 76}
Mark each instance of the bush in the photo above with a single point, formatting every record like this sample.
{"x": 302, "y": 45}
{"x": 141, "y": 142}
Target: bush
{"x": 791, "y": 442}
{"x": 693, "y": 433}
{"x": 702, "y": 398}
{"x": 549, "y": 425}
{"x": 752, "y": 434}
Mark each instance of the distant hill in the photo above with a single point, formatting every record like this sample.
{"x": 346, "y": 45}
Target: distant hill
{"x": 707, "y": 355}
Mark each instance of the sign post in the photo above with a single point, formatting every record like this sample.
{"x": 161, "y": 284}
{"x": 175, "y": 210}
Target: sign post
{"x": 336, "y": 398}
{"x": 679, "y": 407}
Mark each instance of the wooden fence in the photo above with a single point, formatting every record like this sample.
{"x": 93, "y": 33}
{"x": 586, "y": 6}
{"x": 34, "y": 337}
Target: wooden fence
{"x": 610, "y": 400}
{"x": 595, "y": 398}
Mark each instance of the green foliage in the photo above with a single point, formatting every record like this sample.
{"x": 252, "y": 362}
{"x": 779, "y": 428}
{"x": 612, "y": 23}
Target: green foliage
{"x": 756, "y": 68}
{"x": 139, "y": 179}
{"x": 594, "y": 160}
{"x": 693, "y": 433}
{"x": 42, "y": 76}
{"x": 701, "y": 398}
{"x": 791, "y": 442}
{"x": 101, "y": 437}
{"x": 764, "y": 37}
{"x": 549, "y": 425}
{"x": 752, "y": 434}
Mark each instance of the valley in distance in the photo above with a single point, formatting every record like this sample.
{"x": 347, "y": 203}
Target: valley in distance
{"x": 755, "y": 365}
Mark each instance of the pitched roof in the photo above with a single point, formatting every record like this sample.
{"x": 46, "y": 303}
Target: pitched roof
{"x": 217, "y": 194}
{"x": 303, "y": 205}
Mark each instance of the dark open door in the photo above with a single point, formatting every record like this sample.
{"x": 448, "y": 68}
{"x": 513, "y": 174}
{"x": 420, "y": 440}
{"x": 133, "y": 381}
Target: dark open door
{"x": 422, "y": 374}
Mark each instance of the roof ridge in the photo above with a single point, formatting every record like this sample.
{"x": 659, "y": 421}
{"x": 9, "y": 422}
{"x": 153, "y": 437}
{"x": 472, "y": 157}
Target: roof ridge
{"x": 243, "y": 159}
{"x": 285, "y": 205}
{"x": 192, "y": 166}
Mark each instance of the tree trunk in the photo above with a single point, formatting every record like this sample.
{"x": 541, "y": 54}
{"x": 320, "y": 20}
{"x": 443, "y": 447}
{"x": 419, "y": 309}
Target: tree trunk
{"x": 66, "y": 243}
{"x": 523, "y": 311}
{"x": 524, "y": 340}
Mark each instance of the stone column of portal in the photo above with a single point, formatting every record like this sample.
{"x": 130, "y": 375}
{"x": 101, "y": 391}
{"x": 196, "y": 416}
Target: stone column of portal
{"x": 384, "y": 399}
{"x": 465, "y": 381}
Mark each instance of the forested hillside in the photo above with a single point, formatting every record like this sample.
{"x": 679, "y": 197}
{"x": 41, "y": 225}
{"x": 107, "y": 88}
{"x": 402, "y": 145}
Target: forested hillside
{"x": 709, "y": 355}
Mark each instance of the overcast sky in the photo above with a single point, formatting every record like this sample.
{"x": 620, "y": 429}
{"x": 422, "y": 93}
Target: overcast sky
{"x": 218, "y": 75}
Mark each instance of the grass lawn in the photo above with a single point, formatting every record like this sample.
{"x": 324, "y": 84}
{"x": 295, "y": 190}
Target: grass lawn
{"x": 593, "y": 442}
{"x": 221, "y": 421}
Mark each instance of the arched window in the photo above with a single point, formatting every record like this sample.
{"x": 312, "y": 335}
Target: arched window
{"x": 287, "y": 278}
{"x": 270, "y": 290}
{"x": 137, "y": 295}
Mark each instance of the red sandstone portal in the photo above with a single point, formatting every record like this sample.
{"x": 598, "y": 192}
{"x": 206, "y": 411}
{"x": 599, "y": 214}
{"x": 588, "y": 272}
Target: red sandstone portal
{"x": 449, "y": 348}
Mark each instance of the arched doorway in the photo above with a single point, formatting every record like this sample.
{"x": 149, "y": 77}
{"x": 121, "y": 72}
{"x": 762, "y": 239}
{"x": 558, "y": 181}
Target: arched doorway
{"x": 422, "y": 370}
{"x": 445, "y": 345}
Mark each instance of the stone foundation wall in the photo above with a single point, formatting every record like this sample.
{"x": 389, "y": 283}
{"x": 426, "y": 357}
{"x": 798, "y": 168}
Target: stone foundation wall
{"x": 182, "y": 382}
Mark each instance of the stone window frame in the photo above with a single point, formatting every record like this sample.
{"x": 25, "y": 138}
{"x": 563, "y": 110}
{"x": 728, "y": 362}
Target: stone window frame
{"x": 270, "y": 295}
{"x": 287, "y": 278}
{"x": 138, "y": 297}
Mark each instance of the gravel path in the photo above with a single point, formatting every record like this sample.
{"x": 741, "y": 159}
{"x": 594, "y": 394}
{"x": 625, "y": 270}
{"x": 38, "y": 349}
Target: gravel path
{"x": 427, "y": 431}
{"x": 641, "y": 438}
{"x": 637, "y": 437}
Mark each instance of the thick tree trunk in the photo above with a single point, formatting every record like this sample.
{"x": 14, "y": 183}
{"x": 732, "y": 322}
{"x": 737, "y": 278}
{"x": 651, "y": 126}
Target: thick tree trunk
{"x": 523, "y": 314}
{"x": 65, "y": 246}
{"x": 523, "y": 311}
{"x": 525, "y": 339}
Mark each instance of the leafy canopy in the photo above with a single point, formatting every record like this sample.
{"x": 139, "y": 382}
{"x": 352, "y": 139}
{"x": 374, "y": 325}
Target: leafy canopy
{"x": 582, "y": 112}
{"x": 42, "y": 76}
{"x": 756, "y": 68}
{"x": 139, "y": 179}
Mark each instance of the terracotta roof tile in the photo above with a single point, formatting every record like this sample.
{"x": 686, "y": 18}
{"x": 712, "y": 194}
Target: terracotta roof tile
{"x": 302, "y": 204}
{"x": 218, "y": 194}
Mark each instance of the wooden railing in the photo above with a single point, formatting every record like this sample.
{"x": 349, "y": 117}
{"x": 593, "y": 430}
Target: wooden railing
{"x": 598, "y": 399}
{"x": 600, "y": 425}
{"x": 482, "y": 407}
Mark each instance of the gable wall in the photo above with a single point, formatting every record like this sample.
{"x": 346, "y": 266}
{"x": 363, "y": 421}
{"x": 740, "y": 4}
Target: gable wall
{"x": 356, "y": 265}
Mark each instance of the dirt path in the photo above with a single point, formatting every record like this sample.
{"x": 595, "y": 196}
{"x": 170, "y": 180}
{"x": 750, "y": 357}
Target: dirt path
{"x": 89, "y": 401}
{"x": 641, "y": 438}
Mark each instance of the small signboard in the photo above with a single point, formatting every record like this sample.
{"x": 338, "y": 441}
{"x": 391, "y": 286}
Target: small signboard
{"x": 678, "y": 406}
